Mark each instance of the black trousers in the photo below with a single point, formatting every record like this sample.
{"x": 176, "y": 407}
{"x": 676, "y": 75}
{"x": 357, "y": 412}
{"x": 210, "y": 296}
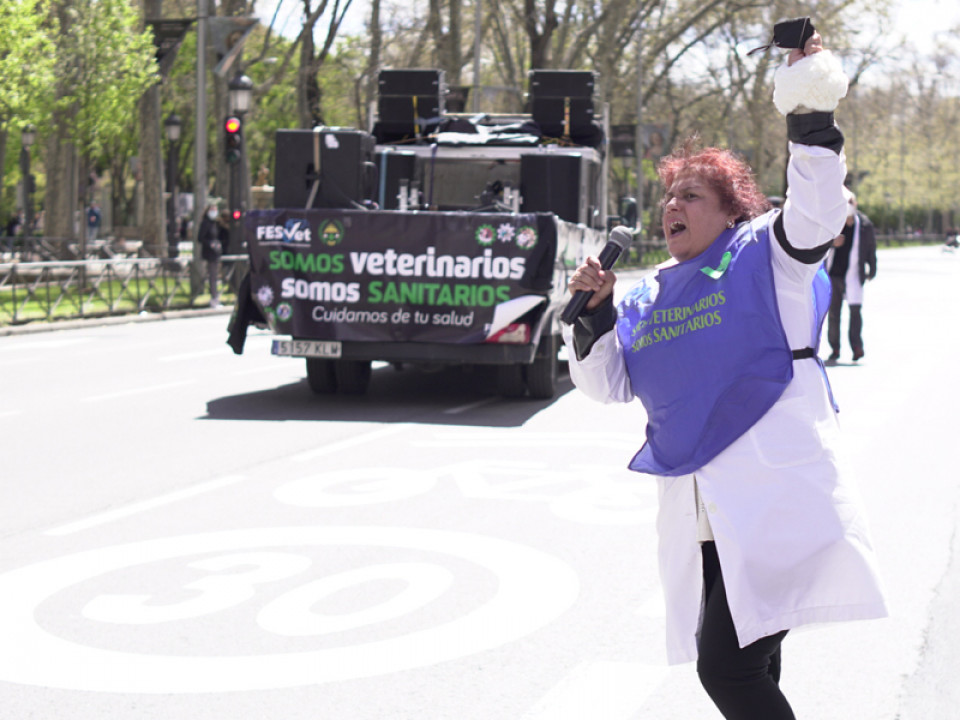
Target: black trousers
{"x": 742, "y": 682}
{"x": 838, "y": 287}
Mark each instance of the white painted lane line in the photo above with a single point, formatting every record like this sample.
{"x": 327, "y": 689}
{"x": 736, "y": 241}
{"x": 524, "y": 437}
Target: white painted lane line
{"x": 194, "y": 355}
{"x": 152, "y": 504}
{"x": 138, "y": 391}
{"x": 608, "y": 690}
{"x": 468, "y": 406}
{"x": 285, "y": 367}
{"x": 44, "y": 344}
{"x": 348, "y": 443}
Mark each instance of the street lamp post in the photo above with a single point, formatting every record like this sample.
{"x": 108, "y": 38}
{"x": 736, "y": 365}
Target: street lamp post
{"x": 28, "y": 136}
{"x": 240, "y": 98}
{"x": 172, "y": 127}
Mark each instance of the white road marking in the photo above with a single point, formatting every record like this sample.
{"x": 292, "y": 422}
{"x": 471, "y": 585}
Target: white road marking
{"x": 348, "y": 443}
{"x": 510, "y": 438}
{"x": 533, "y": 589}
{"x": 45, "y": 344}
{"x": 273, "y": 367}
{"x": 355, "y": 487}
{"x": 152, "y": 504}
{"x": 220, "y": 352}
{"x": 468, "y": 406}
{"x": 138, "y": 391}
{"x": 601, "y": 689}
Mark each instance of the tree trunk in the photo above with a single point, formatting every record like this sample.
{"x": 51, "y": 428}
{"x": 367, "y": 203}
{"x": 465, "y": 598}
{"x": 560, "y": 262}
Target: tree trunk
{"x": 454, "y": 60}
{"x": 308, "y": 89}
{"x": 60, "y": 203}
{"x": 59, "y": 206}
{"x": 373, "y": 63}
{"x": 3, "y": 158}
{"x": 153, "y": 230}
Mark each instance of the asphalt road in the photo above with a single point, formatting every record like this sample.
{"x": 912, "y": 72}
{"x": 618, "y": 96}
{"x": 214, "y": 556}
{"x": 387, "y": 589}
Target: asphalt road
{"x": 188, "y": 533}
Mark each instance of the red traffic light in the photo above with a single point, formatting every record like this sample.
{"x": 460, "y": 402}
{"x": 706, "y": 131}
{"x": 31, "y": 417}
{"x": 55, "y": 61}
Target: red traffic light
{"x": 237, "y": 214}
{"x": 232, "y": 125}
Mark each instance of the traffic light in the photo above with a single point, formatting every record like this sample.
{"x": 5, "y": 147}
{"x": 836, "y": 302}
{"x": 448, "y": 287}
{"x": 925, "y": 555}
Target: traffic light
{"x": 233, "y": 142}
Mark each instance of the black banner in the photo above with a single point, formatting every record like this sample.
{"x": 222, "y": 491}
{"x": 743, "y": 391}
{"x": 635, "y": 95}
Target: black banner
{"x": 446, "y": 277}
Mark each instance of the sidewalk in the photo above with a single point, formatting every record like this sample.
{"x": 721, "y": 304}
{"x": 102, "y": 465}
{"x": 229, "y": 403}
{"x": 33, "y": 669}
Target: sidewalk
{"x": 40, "y": 326}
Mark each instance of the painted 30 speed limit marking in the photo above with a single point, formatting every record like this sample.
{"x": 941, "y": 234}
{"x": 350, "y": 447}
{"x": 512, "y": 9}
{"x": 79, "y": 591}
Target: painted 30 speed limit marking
{"x": 267, "y": 578}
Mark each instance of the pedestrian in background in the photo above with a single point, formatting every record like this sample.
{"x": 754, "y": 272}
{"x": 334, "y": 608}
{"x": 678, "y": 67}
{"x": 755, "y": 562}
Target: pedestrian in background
{"x": 15, "y": 224}
{"x": 94, "y": 220}
{"x": 213, "y": 237}
{"x": 759, "y": 526}
{"x": 851, "y": 262}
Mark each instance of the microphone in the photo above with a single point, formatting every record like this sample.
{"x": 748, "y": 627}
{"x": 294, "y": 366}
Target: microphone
{"x": 620, "y": 239}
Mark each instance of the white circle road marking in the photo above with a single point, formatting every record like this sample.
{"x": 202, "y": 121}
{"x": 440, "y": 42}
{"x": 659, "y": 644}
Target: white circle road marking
{"x": 356, "y": 486}
{"x": 291, "y": 614}
{"x": 533, "y": 589}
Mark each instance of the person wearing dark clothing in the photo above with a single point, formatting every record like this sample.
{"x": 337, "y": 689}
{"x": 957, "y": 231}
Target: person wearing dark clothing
{"x": 94, "y": 220}
{"x": 15, "y": 224}
{"x": 852, "y": 261}
{"x": 213, "y": 238}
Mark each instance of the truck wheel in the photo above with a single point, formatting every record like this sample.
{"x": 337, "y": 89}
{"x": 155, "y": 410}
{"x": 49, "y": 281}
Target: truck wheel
{"x": 510, "y": 381}
{"x": 320, "y": 376}
{"x": 542, "y": 373}
{"x": 353, "y": 376}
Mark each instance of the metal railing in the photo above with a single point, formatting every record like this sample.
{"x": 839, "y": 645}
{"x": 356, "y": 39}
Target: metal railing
{"x": 58, "y": 290}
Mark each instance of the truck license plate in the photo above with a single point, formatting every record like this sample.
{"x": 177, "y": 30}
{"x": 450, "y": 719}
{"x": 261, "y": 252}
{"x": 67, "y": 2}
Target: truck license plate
{"x": 307, "y": 348}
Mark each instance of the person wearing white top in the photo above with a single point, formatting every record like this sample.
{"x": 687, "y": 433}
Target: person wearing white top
{"x": 760, "y": 526}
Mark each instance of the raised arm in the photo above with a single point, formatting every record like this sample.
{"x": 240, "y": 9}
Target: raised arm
{"x": 807, "y": 89}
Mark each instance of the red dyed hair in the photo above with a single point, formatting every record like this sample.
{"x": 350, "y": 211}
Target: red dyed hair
{"x": 729, "y": 176}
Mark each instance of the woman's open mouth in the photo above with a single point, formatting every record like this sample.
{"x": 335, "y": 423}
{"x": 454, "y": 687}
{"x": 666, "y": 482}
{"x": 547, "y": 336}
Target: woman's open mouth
{"x": 676, "y": 227}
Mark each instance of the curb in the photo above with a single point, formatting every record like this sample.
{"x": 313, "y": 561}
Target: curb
{"x": 43, "y": 326}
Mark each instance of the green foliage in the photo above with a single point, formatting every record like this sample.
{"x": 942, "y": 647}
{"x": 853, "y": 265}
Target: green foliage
{"x": 696, "y": 78}
{"x": 103, "y": 65}
{"x": 26, "y": 61}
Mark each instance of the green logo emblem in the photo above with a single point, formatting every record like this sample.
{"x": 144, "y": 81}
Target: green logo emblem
{"x": 331, "y": 233}
{"x": 485, "y": 235}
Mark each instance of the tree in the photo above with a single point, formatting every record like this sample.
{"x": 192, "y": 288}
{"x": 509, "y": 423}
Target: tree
{"x": 103, "y": 64}
{"x": 26, "y": 68}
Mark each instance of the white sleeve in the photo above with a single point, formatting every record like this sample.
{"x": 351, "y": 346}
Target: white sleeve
{"x": 815, "y": 208}
{"x": 602, "y": 374}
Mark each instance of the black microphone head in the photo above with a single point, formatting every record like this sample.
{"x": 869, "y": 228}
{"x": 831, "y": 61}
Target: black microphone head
{"x": 621, "y": 236}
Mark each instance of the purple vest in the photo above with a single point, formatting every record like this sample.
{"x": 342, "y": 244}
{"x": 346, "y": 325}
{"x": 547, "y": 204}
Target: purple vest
{"x": 705, "y": 349}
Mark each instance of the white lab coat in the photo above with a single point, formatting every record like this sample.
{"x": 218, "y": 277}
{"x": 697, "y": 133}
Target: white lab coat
{"x": 792, "y": 538}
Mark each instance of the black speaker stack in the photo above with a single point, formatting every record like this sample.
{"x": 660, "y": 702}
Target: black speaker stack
{"x": 561, "y": 102}
{"x": 410, "y": 104}
{"x": 324, "y": 168}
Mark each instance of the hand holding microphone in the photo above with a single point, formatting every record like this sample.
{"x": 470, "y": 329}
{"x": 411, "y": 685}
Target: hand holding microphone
{"x": 589, "y": 277}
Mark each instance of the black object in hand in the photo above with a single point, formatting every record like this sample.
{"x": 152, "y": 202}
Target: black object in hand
{"x": 793, "y": 33}
{"x": 619, "y": 240}
{"x": 790, "y": 34}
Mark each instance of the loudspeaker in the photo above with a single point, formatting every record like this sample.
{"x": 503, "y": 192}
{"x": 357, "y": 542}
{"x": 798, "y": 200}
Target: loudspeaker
{"x": 411, "y": 82}
{"x": 340, "y": 159}
{"x": 562, "y": 101}
{"x": 562, "y": 83}
{"x": 562, "y": 116}
{"x": 555, "y": 183}
{"x": 393, "y": 167}
{"x": 409, "y": 104}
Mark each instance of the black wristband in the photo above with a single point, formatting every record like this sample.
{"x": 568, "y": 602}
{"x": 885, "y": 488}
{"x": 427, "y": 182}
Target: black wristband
{"x": 815, "y": 128}
{"x": 591, "y": 325}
